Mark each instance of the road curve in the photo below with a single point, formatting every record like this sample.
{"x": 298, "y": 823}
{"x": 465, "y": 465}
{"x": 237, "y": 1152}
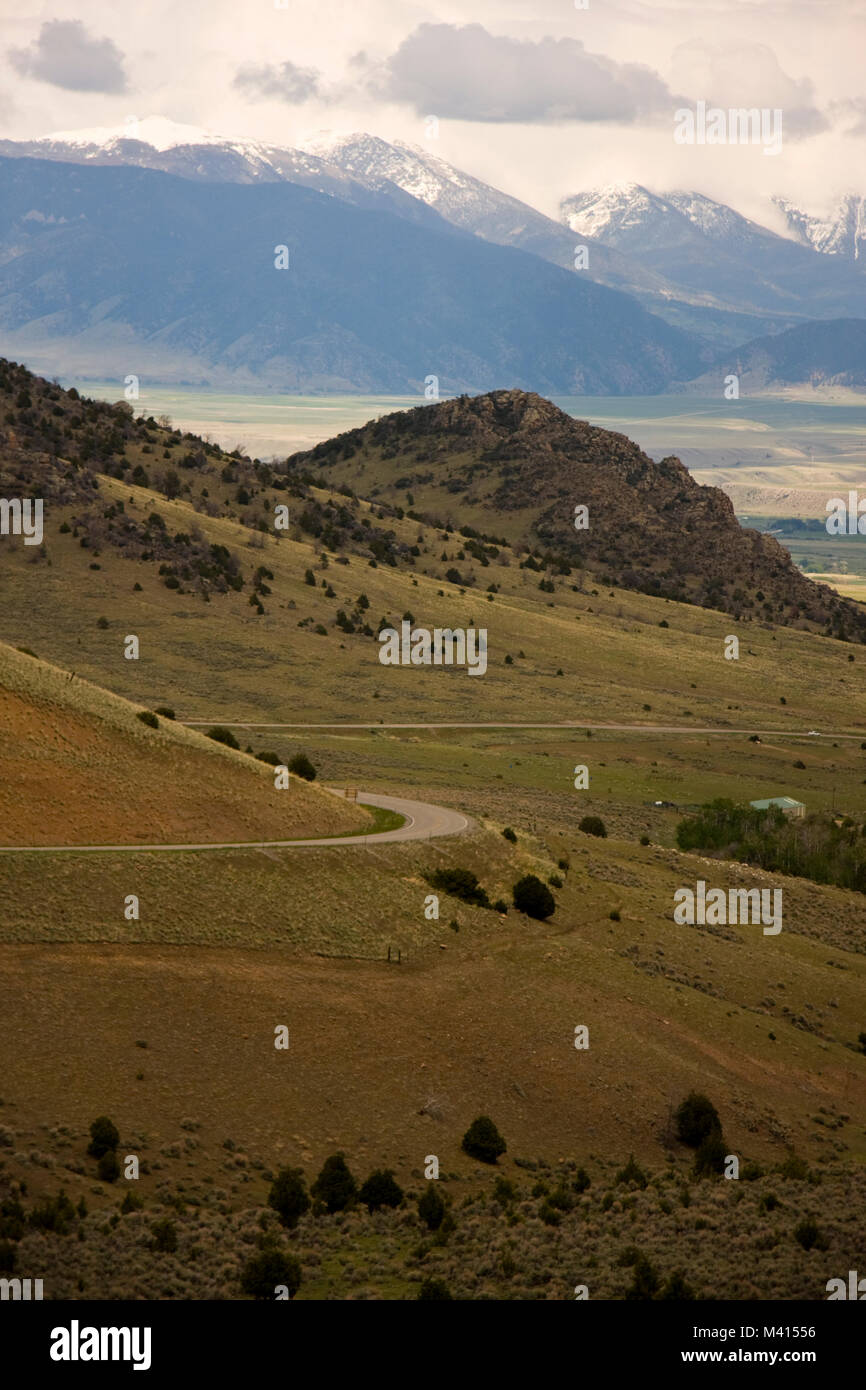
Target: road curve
{"x": 423, "y": 822}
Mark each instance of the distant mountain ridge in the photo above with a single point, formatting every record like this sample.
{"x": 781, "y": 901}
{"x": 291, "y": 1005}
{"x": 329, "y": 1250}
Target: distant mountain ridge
{"x": 694, "y": 263}
{"x": 709, "y": 251}
{"x": 154, "y": 274}
{"x": 818, "y": 354}
{"x": 418, "y": 185}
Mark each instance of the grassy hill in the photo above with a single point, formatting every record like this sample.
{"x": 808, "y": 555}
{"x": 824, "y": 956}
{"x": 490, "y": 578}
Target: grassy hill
{"x": 80, "y": 767}
{"x": 511, "y": 462}
{"x": 151, "y": 532}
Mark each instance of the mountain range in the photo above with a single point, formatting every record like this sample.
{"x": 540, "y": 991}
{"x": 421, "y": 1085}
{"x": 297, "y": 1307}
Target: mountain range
{"x": 719, "y": 259}
{"x": 121, "y": 269}
{"x": 693, "y": 263}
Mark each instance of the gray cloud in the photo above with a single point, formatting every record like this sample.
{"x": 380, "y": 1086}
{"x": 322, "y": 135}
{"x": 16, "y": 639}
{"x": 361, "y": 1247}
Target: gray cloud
{"x": 739, "y": 73}
{"x": 469, "y": 74}
{"x": 66, "y": 55}
{"x": 285, "y": 81}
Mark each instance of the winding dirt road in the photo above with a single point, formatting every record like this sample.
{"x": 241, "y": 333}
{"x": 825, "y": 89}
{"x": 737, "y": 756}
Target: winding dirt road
{"x": 422, "y": 822}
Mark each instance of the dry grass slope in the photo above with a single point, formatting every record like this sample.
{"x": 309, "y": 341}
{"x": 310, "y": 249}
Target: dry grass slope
{"x": 79, "y": 767}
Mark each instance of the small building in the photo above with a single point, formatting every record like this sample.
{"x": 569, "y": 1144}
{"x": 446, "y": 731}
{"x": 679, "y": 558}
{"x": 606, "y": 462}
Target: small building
{"x": 786, "y": 804}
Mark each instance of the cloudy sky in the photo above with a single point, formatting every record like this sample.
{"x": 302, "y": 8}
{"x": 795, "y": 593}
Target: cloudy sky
{"x": 537, "y": 96}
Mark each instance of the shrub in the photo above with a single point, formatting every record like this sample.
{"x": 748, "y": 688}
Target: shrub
{"x": 795, "y": 1168}
{"x": 677, "y": 1287}
{"x": 548, "y": 1213}
{"x": 644, "y": 839}
{"x": 149, "y": 718}
{"x": 581, "y": 1180}
{"x": 434, "y": 1289}
{"x": 301, "y": 766}
{"x": 508, "y": 834}
{"x": 696, "y": 1120}
{"x": 561, "y": 1198}
{"x": 335, "y": 1187}
{"x": 533, "y": 897}
{"x": 459, "y": 883}
{"x": 632, "y": 1172}
{"x": 431, "y": 1207}
{"x": 808, "y": 1234}
{"x": 130, "y": 1203}
{"x": 593, "y": 825}
{"x": 310, "y": 578}
{"x": 483, "y": 1141}
{"x": 166, "y": 711}
{"x": 711, "y": 1155}
{"x": 220, "y": 734}
{"x": 54, "y": 1214}
{"x": 502, "y": 906}
{"x": 102, "y": 623}
{"x": 288, "y": 1196}
{"x": 555, "y": 881}
{"x": 265, "y": 1272}
{"x": 164, "y": 1237}
{"x": 504, "y": 1191}
{"x": 103, "y": 1136}
{"x": 8, "y": 1252}
{"x": 646, "y": 1280}
{"x": 108, "y": 1166}
{"x": 381, "y": 1190}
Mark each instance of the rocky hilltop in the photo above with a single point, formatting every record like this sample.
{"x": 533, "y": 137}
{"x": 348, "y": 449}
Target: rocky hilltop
{"x": 513, "y": 463}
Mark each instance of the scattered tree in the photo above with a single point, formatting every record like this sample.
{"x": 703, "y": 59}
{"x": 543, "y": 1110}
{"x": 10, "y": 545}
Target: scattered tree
{"x": 381, "y": 1190}
{"x": 103, "y": 1136}
{"x": 335, "y": 1187}
{"x": 288, "y": 1196}
{"x": 533, "y": 897}
{"x": 483, "y": 1141}
{"x": 264, "y": 1273}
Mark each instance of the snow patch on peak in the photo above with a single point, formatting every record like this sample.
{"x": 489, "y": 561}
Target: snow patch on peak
{"x": 839, "y": 229}
{"x": 157, "y": 131}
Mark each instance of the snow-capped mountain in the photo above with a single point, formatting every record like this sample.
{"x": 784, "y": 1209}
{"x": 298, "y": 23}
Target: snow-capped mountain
{"x": 365, "y": 170}
{"x": 629, "y": 216}
{"x": 460, "y": 198}
{"x": 715, "y": 256}
{"x": 477, "y": 207}
{"x": 177, "y": 278}
{"x": 191, "y": 153}
{"x": 839, "y": 232}
{"x": 688, "y": 258}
